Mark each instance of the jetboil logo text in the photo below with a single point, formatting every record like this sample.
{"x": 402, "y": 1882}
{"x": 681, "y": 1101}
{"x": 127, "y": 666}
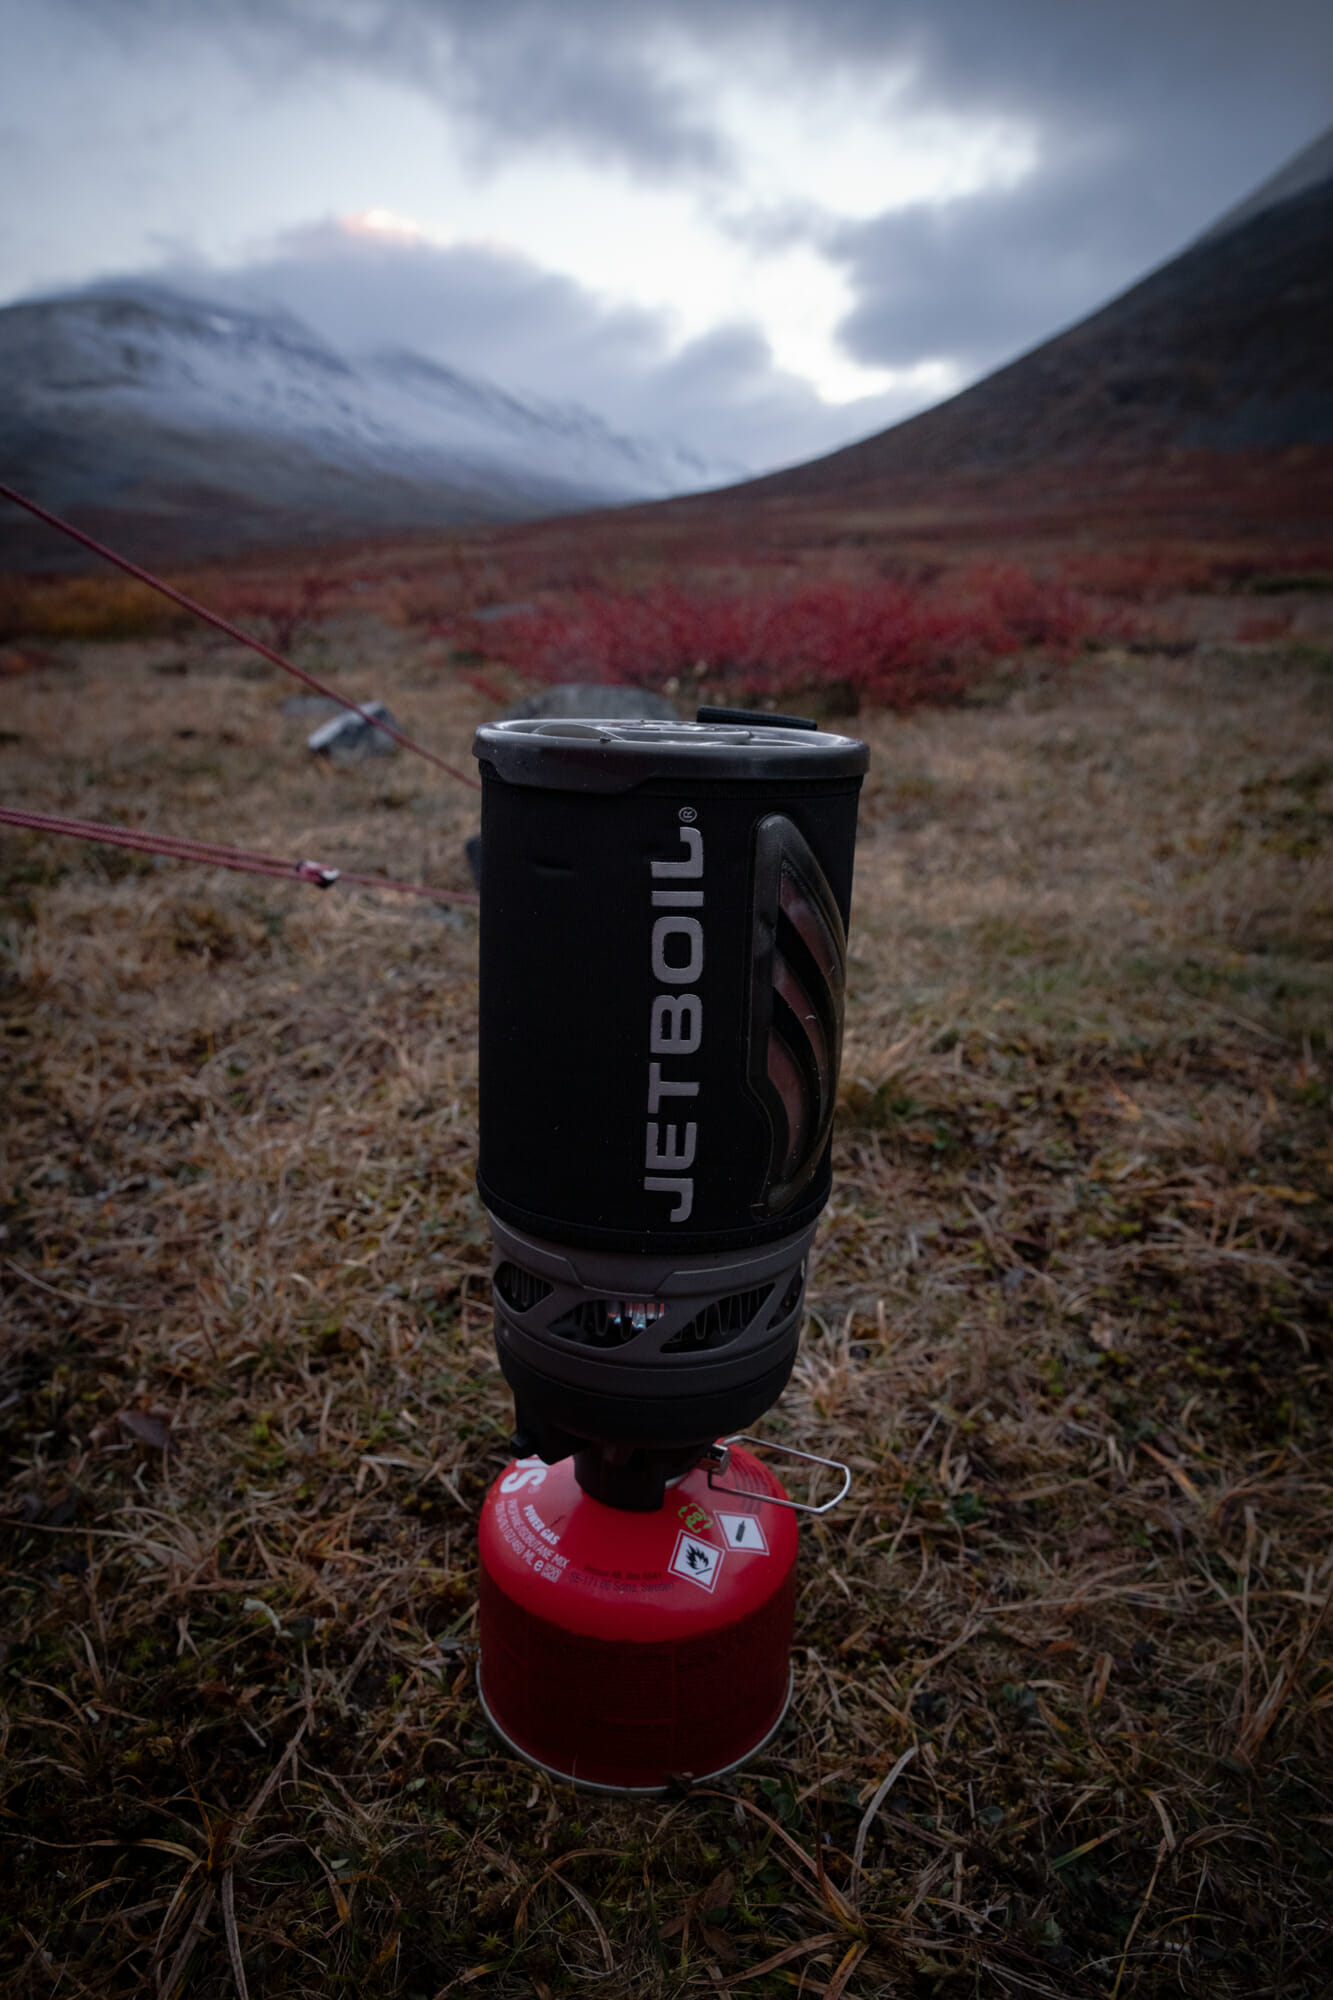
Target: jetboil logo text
{"x": 677, "y": 1021}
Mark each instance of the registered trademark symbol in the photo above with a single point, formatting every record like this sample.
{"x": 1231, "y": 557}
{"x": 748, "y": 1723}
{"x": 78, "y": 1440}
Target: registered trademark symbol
{"x": 687, "y": 813}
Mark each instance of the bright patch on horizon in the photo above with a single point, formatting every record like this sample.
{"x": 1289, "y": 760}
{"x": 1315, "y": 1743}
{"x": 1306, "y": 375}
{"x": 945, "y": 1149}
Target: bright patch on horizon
{"x": 384, "y": 222}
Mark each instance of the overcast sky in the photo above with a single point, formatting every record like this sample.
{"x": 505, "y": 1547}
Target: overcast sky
{"x": 763, "y": 227}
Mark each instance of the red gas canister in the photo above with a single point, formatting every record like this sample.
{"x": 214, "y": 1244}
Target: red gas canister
{"x": 628, "y": 1649}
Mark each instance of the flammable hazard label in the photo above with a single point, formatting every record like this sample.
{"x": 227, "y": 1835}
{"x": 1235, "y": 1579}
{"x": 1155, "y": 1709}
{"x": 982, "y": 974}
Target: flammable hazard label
{"x": 699, "y": 1561}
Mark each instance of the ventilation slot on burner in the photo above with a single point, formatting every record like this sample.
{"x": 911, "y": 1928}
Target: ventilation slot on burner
{"x": 519, "y": 1289}
{"x": 719, "y": 1323}
{"x": 607, "y": 1322}
{"x": 791, "y": 1298}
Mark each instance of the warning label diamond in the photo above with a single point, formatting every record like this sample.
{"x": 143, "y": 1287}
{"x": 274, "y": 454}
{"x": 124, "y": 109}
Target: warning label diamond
{"x": 744, "y": 1532}
{"x": 699, "y": 1561}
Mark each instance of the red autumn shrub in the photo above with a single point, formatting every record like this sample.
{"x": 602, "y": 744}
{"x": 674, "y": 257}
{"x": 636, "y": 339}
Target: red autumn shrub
{"x": 886, "y": 642}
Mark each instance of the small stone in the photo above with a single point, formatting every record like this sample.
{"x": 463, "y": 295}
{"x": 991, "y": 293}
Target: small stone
{"x": 348, "y": 738}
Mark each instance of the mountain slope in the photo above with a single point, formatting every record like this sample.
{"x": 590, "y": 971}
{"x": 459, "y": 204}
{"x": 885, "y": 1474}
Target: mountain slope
{"x": 1226, "y": 349}
{"x": 196, "y": 429}
{"x": 1306, "y": 169}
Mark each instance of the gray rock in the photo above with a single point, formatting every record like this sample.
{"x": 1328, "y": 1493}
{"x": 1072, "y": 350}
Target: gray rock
{"x": 624, "y": 704}
{"x": 348, "y": 739}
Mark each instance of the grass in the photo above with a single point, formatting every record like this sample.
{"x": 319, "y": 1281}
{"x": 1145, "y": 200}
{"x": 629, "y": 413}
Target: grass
{"x": 1064, "y": 1663}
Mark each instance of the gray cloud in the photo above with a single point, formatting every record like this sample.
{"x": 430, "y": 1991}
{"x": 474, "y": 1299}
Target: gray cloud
{"x": 524, "y": 75}
{"x": 1150, "y": 116}
{"x": 1206, "y": 83}
{"x": 986, "y": 276}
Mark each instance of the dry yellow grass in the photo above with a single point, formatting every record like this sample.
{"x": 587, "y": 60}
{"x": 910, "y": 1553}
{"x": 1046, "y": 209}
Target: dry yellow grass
{"x": 1069, "y": 1322}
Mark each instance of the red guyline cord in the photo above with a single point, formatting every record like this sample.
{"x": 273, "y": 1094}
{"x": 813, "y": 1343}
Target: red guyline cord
{"x": 242, "y": 858}
{"x": 233, "y": 632}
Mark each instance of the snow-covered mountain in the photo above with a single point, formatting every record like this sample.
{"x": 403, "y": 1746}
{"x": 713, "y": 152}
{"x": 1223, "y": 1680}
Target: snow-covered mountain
{"x": 192, "y": 428}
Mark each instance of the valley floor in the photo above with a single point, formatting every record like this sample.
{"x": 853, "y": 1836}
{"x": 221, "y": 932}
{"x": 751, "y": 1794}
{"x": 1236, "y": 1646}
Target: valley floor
{"x": 1069, "y": 1323}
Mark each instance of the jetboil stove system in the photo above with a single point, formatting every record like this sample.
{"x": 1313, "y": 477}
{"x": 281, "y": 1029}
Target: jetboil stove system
{"x": 663, "y": 950}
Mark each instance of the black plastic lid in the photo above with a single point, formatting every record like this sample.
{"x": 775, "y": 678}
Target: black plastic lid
{"x": 707, "y": 712}
{"x": 614, "y": 756}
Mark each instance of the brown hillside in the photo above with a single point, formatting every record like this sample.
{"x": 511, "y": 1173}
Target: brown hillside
{"x": 1226, "y": 349}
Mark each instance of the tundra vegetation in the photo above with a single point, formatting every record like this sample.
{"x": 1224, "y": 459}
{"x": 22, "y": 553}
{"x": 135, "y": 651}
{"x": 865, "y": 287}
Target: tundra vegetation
{"x": 1063, "y": 1721}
